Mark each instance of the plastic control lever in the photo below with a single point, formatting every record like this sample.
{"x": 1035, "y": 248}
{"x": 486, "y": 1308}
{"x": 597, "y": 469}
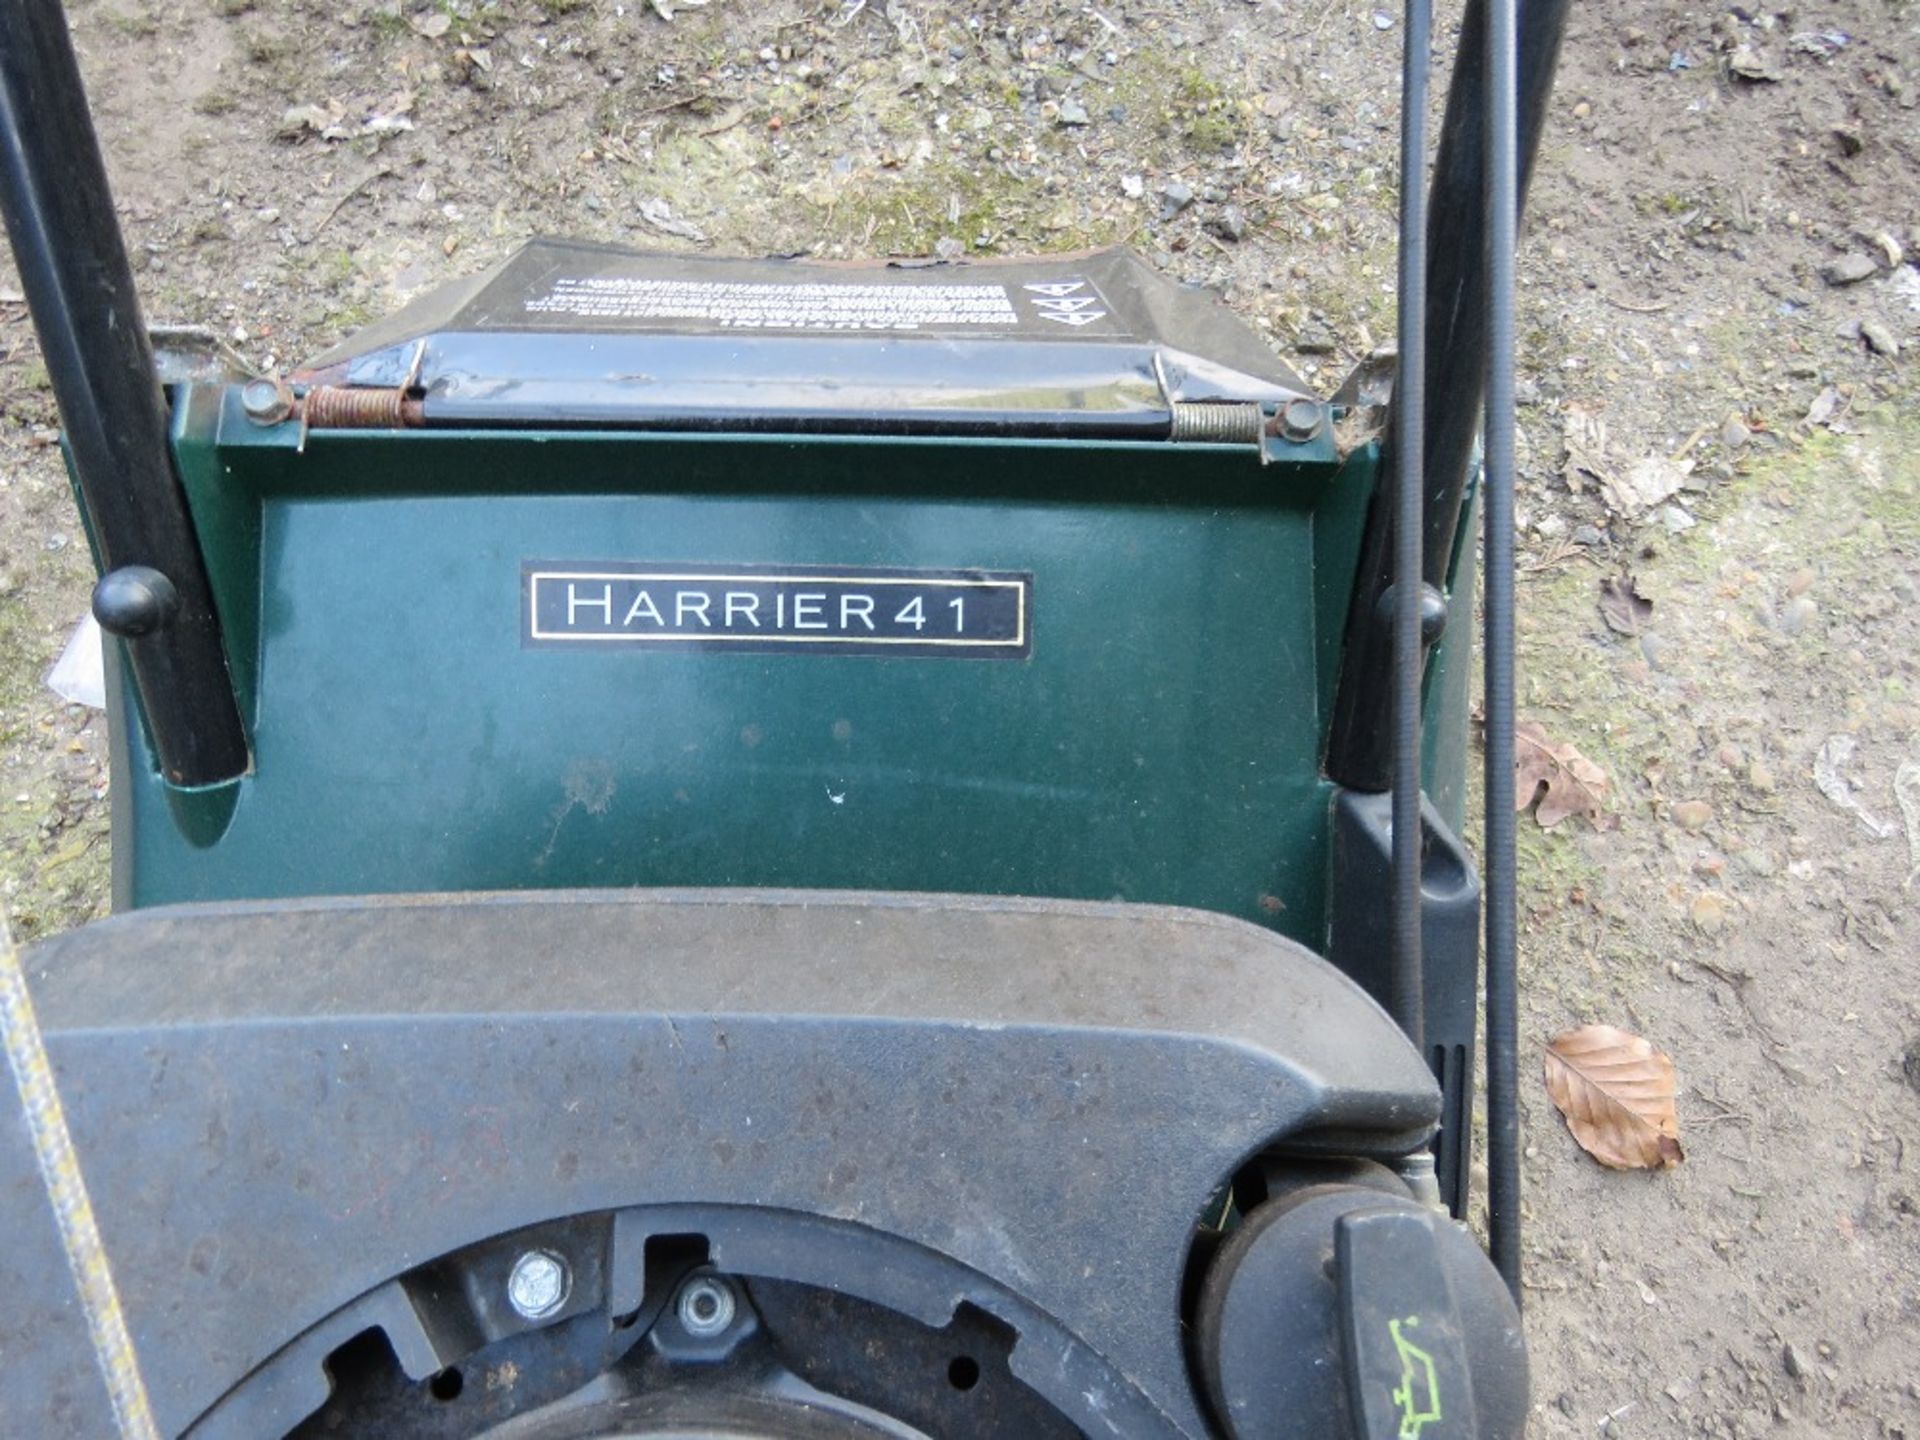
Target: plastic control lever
{"x": 1402, "y": 1337}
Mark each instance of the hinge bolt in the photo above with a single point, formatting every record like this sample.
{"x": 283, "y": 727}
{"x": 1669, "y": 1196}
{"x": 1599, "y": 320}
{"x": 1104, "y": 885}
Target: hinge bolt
{"x": 1300, "y": 420}
{"x": 267, "y": 402}
{"x": 538, "y": 1285}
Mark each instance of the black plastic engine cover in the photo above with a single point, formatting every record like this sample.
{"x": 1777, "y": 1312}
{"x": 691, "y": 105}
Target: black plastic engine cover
{"x": 280, "y": 1106}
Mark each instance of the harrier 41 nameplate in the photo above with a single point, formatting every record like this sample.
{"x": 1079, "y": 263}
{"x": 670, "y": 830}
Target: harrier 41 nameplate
{"x": 802, "y": 609}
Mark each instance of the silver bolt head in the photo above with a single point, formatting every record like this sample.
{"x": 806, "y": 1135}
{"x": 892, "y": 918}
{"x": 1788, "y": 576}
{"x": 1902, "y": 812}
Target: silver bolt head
{"x": 267, "y": 402}
{"x": 539, "y": 1285}
{"x": 706, "y": 1307}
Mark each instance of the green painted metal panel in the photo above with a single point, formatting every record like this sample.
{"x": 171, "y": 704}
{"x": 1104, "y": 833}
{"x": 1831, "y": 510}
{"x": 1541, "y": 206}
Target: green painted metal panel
{"x": 1161, "y": 742}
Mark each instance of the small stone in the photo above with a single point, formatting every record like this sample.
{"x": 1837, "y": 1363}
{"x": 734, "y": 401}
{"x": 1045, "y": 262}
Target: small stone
{"x": 1760, "y": 777}
{"x": 1734, "y": 433}
{"x": 1588, "y": 535}
{"x": 1730, "y": 755}
{"x": 1582, "y": 110}
{"x": 1796, "y": 614}
{"x": 1791, "y": 1362}
{"x": 1747, "y": 63}
{"x": 1073, "y": 113}
{"x": 1382, "y": 20}
{"x": 1709, "y": 912}
{"x": 1656, "y": 650}
{"x": 1229, "y": 224}
{"x": 1677, "y": 520}
{"x": 1174, "y": 197}
{"x": 1849, "y": 269}
{"x": 1800, "y": 581}
{"x": 1850, "y": 139}
{"x": 1692, "y": 814}
{"x": 1314, "y": 339}
{"x": 1132, "y": 186}
{"x": 1879, "y": 336}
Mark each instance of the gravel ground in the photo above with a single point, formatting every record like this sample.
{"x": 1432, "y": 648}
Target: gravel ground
{"x": 1717, "y": 297}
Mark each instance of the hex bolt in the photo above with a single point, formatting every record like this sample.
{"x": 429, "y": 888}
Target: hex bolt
{"x": 538, "y": 1285}
{"x": 1300, "y": 420}
{"x": 266, "y": 402}
{"x": 706, "y": 1306}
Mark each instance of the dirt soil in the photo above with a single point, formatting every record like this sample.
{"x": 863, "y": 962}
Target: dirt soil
{"x": 1719, "y": 305}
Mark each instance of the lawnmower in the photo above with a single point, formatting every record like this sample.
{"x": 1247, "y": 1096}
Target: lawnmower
{"x": 730, "y": 848}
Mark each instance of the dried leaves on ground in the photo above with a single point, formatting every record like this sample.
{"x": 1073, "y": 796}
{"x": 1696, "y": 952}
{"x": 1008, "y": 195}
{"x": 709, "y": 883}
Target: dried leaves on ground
{"x": 1557, "y": 780}
{"x": 1617, "y": 1093}
{"x": 1644, "y": 484}
{"x": 1622, "y": 605}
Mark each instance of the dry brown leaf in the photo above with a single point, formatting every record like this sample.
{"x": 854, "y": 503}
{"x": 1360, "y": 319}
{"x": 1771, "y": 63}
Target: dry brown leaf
{"x": 1622, "y": 605}
{"x": 1617, "y": 1093}
{"x": 1588, "y": 450}
{"x": 1644, "y": 484}
{"x": 1563, "y": 780}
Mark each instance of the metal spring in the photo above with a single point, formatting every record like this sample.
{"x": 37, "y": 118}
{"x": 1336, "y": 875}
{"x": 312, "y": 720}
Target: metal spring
{"x": 1218, "y": 422}
{"x": 340, "y": 407}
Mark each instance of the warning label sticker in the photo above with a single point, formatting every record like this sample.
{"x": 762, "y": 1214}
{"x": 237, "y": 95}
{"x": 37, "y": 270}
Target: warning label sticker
{"x": 817, "y": 306}
{"x": 1066, "y": 302}
{"x": 750, "y": 305}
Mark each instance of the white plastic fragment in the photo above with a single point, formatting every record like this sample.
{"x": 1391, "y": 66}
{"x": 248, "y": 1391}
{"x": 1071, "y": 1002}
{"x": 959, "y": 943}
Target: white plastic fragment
{"x": 1827, "y": 767}
{"x": 1906, "y": 789}
{"x": 79, "y": 676}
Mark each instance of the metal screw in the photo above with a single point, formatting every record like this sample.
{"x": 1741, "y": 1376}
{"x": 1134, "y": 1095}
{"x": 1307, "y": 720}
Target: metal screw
{"x": 706, "y": 1307}
{"x": 267, "y": 402}
{"x": 1300, "y": 420}
{"x": 538, "y": 1285}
